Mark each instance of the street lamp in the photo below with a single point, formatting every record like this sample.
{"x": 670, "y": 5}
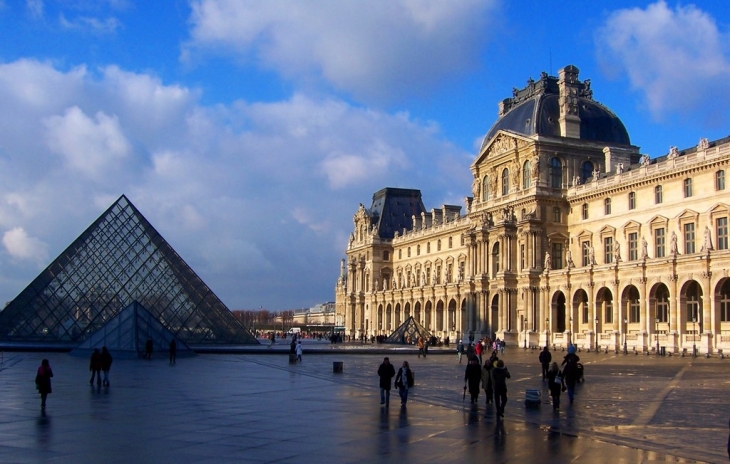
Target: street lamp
{"x": 626, "y": 327}
{"x": 547, "y": 331}
{"x": 595, "y": 334}
{"x": 657, "y": 336}
{"x": 570, "y": 330}
{"x": 694, "y": 335}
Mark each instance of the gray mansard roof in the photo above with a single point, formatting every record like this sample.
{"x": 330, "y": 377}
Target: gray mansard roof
{"x": 393, "y": 208}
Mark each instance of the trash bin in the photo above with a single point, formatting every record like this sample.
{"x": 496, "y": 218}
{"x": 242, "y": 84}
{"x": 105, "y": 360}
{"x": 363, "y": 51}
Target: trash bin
{"x": 337, "y": 366}
{"x": 532, "y": 398}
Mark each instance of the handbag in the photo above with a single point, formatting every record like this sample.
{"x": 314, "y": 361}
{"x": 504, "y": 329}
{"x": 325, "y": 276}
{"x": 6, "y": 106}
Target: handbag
{"x": 558, "y": 379}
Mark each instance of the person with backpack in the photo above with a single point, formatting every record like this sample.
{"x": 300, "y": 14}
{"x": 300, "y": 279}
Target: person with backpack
{"x": 545, "y": 358}
{"x": 404, "y": 381}
{"x": 570, "y": 371}
{"x": 556, "y": 384}
{"x": 500, "y": 374}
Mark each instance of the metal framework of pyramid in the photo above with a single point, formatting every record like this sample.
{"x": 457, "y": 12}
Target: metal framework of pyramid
{"x": 120, "y": 258}
{"x": 409, "y": 328}
{"x": 126, "y": 334}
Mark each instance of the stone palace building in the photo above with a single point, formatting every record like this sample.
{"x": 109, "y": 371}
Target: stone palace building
{"x": 570, "y": 236}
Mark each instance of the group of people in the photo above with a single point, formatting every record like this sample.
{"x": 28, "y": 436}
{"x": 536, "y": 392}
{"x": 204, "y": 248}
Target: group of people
{"x": 492, "y": 377}
{"x": 403, "y": 381}
{"x": 560, "y": 381}
{"x": 100, "y": 362}
{"x": 479, "y": 347}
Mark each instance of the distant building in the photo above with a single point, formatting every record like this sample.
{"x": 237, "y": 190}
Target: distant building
{"x": 319, "y": 315}
{"x": 571, "y": 235}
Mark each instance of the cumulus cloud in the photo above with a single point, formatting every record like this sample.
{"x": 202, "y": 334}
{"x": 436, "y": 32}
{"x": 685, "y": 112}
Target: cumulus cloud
{"x": 373, "y": 50}
{"x": 678, "y": 58}
{"x": 256, "y": 197}
{"x": 92, "y": 24}
{"x": 21, "y": 246}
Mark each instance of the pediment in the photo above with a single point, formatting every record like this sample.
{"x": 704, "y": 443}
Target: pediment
{"x": 608, "y": 230}
{"x": 658, "y": 219}
{"x": 585, "y": 233}
{"x": 503, "y": 142}
{"x": 687, "y": 214}
{"x": 631, "y": 225}
{"x": 719, "y": 208}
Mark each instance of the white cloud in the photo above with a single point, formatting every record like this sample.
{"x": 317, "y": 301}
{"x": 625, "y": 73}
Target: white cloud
{"x": 35, "y": 7}
{"x": 89, "y": 23}
{"x": 678, "y": 58}
{"x": 252, "y": 195}
{"x": 374, "y": 50}
{"x": 19, "y": 245}
{"x": 91, "y": 146}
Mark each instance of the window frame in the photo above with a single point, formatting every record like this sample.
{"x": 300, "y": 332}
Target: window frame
{"x": 658, "y": 195}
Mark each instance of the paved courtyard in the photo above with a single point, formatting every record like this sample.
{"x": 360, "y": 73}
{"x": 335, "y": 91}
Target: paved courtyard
{"x": 259, "y": 408}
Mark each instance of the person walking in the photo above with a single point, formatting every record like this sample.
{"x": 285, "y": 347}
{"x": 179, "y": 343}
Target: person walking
{"x": 487, "y": 377}
{"x": 473, "y": 377}
{"x": 502, "y": 344}
{"x": 43, "y": 382}
{"x": 299, "y": 351}
{"x": 478, "y": 351}
{"x": 500, "y": 374}
{"x": 404, "y": 381}
{"x": 173, "y": 351}
{"x": 460, "y": 349}
{"x": 545, "y": 358}
{"x": 556, "y": 385}
{"x": 386, "y": 372}
{"x": 95, "y": 367}
{"x": 421, "y": 346}
{"x": 106, "y": 364}
{"x": 570, "y": 371}
{"x": 148, "y": 348}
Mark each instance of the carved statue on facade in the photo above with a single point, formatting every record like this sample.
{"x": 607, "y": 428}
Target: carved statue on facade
{"x": 616, "y": 252}
{"x": 385, "y": 284}
{"x": 673, "y": 152}
{"x": 596, "y": 173}
{"x": 645, "y": 160}
{"x": 707, "y": 245}
{"x": 591, "y": 255}
{"x": 569, "y": 259}
{"x": 673, "y": 244}
{"x": 644, "y": 248}
{"x": 476, "y": 188}
{"x": 377, "y": 285}
{"x": 704, "y": 144}
{"x": 548, "y": 261}
{"x": 535, "y": 167}
{"x": 576, "y": 180}
{"x": 619, "y": 168}
{"x": 516, "y": 170}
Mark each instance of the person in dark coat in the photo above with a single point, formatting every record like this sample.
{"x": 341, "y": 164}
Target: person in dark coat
{"x": 148, "y": 348}
{"x": 500, "y": 374}
{"x": 570, "y": 371}
{"x": 404, "y": 381}
{"x": 555, "y": 386}
{"x": 173, "y": 351}
{"x": 95, "y": 367}
{"x": 106, "y": 364}
{"x": 473, "y": 377}
{"x": 545, "y": 358}
{"x": 43, "y": 381}
{"x": 386, "y": 372}
{"x": 489, "y": 364}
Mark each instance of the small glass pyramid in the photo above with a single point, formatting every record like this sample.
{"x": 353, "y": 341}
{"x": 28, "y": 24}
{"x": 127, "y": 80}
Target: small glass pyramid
{"x": 408, "y": 333}
{"x": 117, "y": 260}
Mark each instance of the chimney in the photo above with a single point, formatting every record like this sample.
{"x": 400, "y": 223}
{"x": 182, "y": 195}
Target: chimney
{"x": 568, "y": 85}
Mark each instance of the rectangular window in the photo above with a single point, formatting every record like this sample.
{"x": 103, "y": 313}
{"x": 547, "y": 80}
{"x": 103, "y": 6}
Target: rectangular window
{"x": 584, "y": 211}
{"x": 585, "y": 313}
{"x": 724, "y": 309}
{"x": 438, "y": 275}
{"x": 658, "y": 196}
{"x": 721, "y": 233}
{"x": 659, "y": 243}
{"x": 608, "y": 250}
{"x": 607, "y": 206}
{"x": 586, "y": 253}
{"x": 632, "y": 200}
{"x": 689, "y": 238}
{"x": 451, "y": 242}
{"x": 634, "y": 311}
{"x": 557, "y": 215}
{"x": 409, "y": 252}
{"x": 609, "y": 313}
{"x": 687, "y": 188}
{"x": 720, "y": 180}
{"x": 662, "y": 311}
{"x": 633, "y": 246}
{"x": 557, "y": 256}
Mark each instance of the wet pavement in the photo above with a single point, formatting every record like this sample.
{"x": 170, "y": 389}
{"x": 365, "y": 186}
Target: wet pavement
{"x": 259, "y": 408}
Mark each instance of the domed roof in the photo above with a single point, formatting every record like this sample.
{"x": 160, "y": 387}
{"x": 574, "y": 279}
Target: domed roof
{"x": 535, "y": 110}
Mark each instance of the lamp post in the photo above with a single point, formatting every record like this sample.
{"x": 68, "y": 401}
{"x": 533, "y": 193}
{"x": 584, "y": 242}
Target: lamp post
{"x": 570, "y": 330}
{"x": 694, "y": 335}
{"x": 547, "y": 331}
{"x": 595, "y": 333}
{"x": 657, "y": 336}
{"x": 626, "y": 327}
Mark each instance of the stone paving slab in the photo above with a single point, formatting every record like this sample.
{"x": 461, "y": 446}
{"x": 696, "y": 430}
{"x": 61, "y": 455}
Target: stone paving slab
{"x": 254, "y": 408}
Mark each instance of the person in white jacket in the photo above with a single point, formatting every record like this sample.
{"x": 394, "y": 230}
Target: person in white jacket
{"x": 299, "y": 351}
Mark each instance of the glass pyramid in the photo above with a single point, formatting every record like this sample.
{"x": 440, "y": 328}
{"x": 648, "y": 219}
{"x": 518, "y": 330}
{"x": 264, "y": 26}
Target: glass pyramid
{"x": 126, "y": 334}
{"x": 118, "y": 259}
{"x": 408, "y": 332}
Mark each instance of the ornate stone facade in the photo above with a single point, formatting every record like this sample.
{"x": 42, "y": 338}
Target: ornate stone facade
{"x": 571, "y": 236}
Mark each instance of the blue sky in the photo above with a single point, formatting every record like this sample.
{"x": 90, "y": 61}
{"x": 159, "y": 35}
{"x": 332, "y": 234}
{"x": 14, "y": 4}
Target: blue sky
{"x": 248, "y": 132}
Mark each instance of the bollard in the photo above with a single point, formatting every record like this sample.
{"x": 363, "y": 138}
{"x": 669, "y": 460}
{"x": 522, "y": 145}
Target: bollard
{"x": 337, "y": 366}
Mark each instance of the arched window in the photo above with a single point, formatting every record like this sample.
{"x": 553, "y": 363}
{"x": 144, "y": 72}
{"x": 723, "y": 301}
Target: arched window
{"x": 526, "y": 174}
{"x": 586, "y": 171}
{"x": 556, "y": 173}
{"x": 505, "y": 181}
{"x": 485, "y": 188}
